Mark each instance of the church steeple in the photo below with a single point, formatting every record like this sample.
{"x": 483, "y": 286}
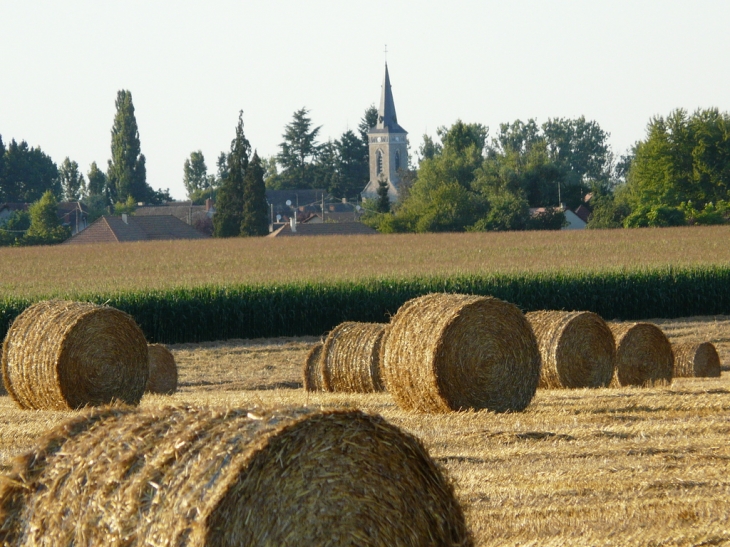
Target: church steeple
{"x": 386, "y": 113}
{"x": 388, "y": 146}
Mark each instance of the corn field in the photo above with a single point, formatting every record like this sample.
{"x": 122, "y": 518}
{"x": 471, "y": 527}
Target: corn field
{"x": 196, "y": 314}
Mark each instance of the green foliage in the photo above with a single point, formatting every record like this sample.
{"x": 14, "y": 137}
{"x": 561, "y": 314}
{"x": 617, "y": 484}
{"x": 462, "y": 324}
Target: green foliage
{"x": 299, "y": 151}
{"x": 97, "y": 184}
{"x": 369, "y": 120}
{"x": 127, "y": 172}
{"x": 657, "y": 216}
{"x": 507, "y": 211}
{"x": 229, "y": 208}
{"x": 96, "y": 205}
{"x": 14, "y": 228}
{"x": 72, "y": 181}
{"x": 609, "y": 211}
{"x": 382, "y": 204}
{"x": 195, "y": 174}
{"x": 45, "y": 227}
{"x": 255, "y": 311}
{"x": 552, "y": 218}
{"x": 255, "y": 218}
{"x": 683, "y": 158}
{"x": 26, "y": 174}
{"x": 126, "y": 208}
{"x": 712, "y": 213}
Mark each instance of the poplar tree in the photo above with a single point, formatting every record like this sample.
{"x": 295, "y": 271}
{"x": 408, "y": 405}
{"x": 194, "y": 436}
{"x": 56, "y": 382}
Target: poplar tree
{"x": 229, "y": 208}
{"x": 255, "y": 221}
{"x": 127, "y": 174}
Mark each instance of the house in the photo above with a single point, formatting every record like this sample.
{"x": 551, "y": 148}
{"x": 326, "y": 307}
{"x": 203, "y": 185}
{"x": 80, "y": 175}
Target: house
{"x": 184, "y": 210}
{"x": 72, "y": 214}
{"x": 574, "y": 222}
{"x": 119, "y": 229}
{"x": 322, "y": 229}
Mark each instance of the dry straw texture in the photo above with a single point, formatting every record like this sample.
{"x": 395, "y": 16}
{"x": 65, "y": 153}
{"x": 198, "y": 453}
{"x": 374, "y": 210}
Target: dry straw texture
{"x": 643, "y": 355}
{"x": 62, "y": 355}
{"x": 195, "y": 476}
{"x": 446, "y": 352}
{"x": 312, "y": 370}
{"x": 577, "y": 349}
{"x": 351, "y": 358}
{"x": 695, "y": 359}
{"x": 163, "y": 370}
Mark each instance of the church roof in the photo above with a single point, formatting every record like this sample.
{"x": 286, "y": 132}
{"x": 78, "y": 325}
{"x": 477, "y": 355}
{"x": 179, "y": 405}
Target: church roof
{"x": 387, "y": 120}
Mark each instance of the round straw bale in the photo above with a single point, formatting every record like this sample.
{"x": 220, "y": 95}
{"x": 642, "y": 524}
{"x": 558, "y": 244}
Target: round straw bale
{"x": 60, "y": 355}
{"x": 577, "y": 349}
{"x": 351, "y": 358}
{"x": 643, "y": 355}
{"x": 446, "y": 352}
{"x": 163, "y": 370}
{"x": 696, "y": 359}
{"x": 312, "y": 370}
{"x": 201, "y": 476}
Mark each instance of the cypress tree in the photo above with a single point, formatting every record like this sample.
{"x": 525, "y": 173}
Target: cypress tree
{"x": 229, "y": 207}
{"x": 255, "y": 221}
{"x": 383, "y": 203}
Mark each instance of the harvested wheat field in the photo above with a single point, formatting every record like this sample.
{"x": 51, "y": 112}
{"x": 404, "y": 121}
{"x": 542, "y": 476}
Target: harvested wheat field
{"x": 581, "y": 467}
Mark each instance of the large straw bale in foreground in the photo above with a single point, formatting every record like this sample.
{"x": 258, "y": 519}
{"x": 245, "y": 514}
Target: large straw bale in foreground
{"x": 186, "y": 476}
{"x": 350, "y": 358}
{"x": 643, "y": 355}
{"x": 577, "y": 349}
{"x": 696, "y": 360}
{"x": 60, "y": 355}
{"x": 447, "y": 352}
{"x": 163, "y": 370}
{"x": 312, "y": 370}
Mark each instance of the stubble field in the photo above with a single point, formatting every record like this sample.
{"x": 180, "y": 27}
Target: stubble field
{"x": 617, "y": 467}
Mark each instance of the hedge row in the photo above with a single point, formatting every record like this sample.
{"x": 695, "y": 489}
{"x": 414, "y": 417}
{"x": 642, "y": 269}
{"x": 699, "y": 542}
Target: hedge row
{"x": 217, "y": 313}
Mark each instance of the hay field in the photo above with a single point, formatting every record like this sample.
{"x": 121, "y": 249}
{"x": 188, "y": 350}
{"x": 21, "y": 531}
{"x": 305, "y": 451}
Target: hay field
{"x": 626, "y": 466}
{"x": 104, "y": 268}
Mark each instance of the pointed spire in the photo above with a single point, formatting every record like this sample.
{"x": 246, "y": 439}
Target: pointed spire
{"x": 386, "y": 113}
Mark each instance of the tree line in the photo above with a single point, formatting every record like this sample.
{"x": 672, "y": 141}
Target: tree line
{"x": 466, "y": 181}
{"x": 28, "y": 175}
{"x": 340, "y": 166}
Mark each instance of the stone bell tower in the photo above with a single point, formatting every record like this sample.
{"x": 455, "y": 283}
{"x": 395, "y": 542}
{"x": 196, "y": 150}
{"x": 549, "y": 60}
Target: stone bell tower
{"x": 388, "y": 147}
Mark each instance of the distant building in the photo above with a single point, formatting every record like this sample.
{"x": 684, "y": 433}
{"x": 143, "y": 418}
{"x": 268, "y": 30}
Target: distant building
{"x": 574, "y": 222}
{"x": 124, "y": 228}
{"x": 322, "y": 229}
{"x": 388, "y": 147}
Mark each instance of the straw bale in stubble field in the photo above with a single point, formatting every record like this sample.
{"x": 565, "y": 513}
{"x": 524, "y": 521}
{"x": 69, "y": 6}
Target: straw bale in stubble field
{"x": 446, "y": 352}
{"x": 312, "y": 369}
{"x": 350, "y": 358}
{"x": 644, "y": 355}
{"x": 199, "y": 476}
{"x": 163, "y": 370}
{"x": 61, "y": 355}
{"x": 696, "y": 360}
{"x": 577, "y": 349}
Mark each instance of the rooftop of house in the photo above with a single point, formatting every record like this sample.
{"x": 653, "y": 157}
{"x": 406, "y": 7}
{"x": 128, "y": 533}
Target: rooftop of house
{"x": 118, "y": 229}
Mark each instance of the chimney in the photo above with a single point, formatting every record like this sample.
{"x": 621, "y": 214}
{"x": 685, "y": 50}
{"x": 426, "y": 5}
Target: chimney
{"x": 293, "y": 224}
{"x": 208, "y": 204}
{"x": 124, "y": 218}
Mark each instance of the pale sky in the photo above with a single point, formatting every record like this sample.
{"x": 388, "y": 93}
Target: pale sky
{"x": 191, "y": 66}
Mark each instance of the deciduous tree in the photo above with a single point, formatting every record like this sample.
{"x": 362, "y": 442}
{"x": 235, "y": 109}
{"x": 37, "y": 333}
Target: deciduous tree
{"x": 45, "y": 227}
{"x": 195, "y": 173}
{"x": 72, "y": 181}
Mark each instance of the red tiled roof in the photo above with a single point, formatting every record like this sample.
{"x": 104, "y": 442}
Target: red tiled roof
{"x": 112, "y": 229}
{"x": 582, "y": 212}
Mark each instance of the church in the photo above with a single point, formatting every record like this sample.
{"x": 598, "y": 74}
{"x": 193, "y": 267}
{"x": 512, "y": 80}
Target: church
{"x": 387, "y": 146}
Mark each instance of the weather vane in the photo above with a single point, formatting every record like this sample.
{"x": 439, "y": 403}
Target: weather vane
{"x": 386, "y": 53}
